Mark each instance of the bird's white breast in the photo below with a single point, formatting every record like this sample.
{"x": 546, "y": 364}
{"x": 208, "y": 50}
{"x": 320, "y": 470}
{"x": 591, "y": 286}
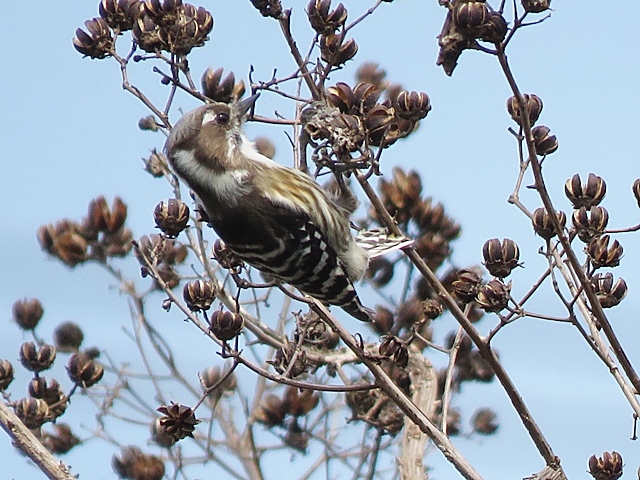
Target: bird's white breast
{"x": 228, "y": 185}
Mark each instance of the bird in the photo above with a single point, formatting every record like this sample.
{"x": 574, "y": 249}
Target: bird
{"x": 275, "y": 218}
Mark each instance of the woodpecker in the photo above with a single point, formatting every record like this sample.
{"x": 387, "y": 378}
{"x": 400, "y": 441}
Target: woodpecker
{"x": 275, "y": 218}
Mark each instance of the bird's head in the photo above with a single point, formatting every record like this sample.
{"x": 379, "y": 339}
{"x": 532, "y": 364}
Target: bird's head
{"x": 210, "y": 134}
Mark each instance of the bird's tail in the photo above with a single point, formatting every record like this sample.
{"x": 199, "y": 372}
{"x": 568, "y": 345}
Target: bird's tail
{"x": 379, "y": 241}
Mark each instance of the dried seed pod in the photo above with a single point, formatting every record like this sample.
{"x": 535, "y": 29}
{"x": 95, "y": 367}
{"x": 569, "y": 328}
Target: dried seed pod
{"x": 97, "y": 41}
{"x": 150, "y": 248}
{"x": 588, "y": 195}
{"x": 494, "y": 29}
{"x": 225, "y": 325}
{"x": 544, "y": 142}
{"x": 533, "y": 106}
{"x": 225, "y": 91}
{"x": 370, "y": 72}
{"x": 282, "y": 360}
{"x": 6, "y": 374}
{"x": 609, "y": 294}
{"x": 494, "y": 296}
{"x": 400, "y": 194}
{"x": 485, "y": 421}
{"x": 341, "y": 96}
{"x": 51, "y": 393}
{"x": 366, "y": 96}
{"x": 171, "y": 216}
{"x": 500, "y": 258}
{"x": 395, "y": 349}
{"x": 469, "y": 17}
{"x": 543, "y": 225}
{"x": 383, "y": 319}
{"x": 323, "y": 21}
{"x": 83, "y": 370}
{"x": 336, "y": 52}
{"x": 199, "y": 295}
{"x": 135, "y": 464}
{"x": 412, "y": 106}
{"x": 120, "y": 14}
{"x": 380, "y": 271}
{"x": 211, "y": 377}
{"x": 535, "y": 6}
{"x": 68, "y": 337}
{"x": 178, "y": 421}
{"x": 636, "y": 190}
{"x": 607, "y": 467}
{"x": 315, "y": 332}
{"x": 268, "y": 8}
{"x": 37, "y": 359}
{"x": 467, "y": 285}
{"x": 225, "y": 256}
{"x": 63, "y": 440}
{"x": 27, "y": 313}
{"x": 271, "y": 410}
{"x": 156, "y": 164}
{"x": 432, "y": 309}
{"x": 378, "y": 123}
{"x": 590, "y": 223}
{"x": 300, "y": 403}
{"x": 32, "y": 412}
{"x": 146, "y": 34}
{"x": 603, "y": 255}
{"x": 148, "y": 123}
{"x": 296, "y": 437}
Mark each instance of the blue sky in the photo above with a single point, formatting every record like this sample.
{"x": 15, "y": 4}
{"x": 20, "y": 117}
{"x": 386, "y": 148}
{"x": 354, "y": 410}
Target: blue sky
{"x": 69, "y": 135}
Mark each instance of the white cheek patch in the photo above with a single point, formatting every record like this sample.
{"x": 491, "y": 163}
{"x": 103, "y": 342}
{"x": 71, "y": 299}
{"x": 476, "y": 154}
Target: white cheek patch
{"x": 208, "y": 117}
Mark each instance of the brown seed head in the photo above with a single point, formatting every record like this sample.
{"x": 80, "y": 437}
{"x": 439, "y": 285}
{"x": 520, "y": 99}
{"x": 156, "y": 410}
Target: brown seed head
{"x": 544, "y": 142}
{"x": 171, "y": 216}
{"x": 51, "y": 393}
{"x": 609, "y": 293}
{"x": 494, "y": 296}
{"x": 199, "y": 294}
{"x": 120, "y": 15}
{"x": 300, "y": 403}
{"x": 27, "y": 313}
{"x": 396, "y": 350}
{"x": 467, "y": 285}
{"x": 485, "y": 421}
{"x": 268, "y": 8}
{"x": 68, "y": 337}
{"x": 37, "y": 359}
{"x": 219, "y": 90}
{"x": 271, "y": 410}
{"x": 178, "y": 421}
{"x": 62, "y": 441}
{"x": 225, "y": 325}
{"x": 412, "y": 106}
{"x": 225, "y": 256}
{"x": 323, "y": 21}
{"x": 585, "y": 195}
{"x": 607, "y": 467}
{"x": 590, "y": 223}
{"x": 283, "y": 358}
{"x": 83, "y": 370}
{"x": 470, "y": 17}
{"x": 533, "y": 106}
{"x": 500, "y": 258}
{"x": 96, "y": 41}
{"x": 535, "y": 6}
{"x": 603, "y": 255}
{"x": 135, "y": 464}
{"x": 543, "y": 225}
{"x": 494, "y": 29}
{"x": 32, "y": 412}
{"x": 6, "y": 374}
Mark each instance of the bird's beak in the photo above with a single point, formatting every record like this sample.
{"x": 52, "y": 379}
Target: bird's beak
{"x": 245, "y": 105}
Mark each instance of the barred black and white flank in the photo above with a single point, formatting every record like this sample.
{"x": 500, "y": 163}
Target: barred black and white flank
{"x": 275, "y": 218}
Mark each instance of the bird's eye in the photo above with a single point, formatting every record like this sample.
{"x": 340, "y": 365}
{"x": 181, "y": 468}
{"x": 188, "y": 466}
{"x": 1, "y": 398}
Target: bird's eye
{"x": 222, "y": 118}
